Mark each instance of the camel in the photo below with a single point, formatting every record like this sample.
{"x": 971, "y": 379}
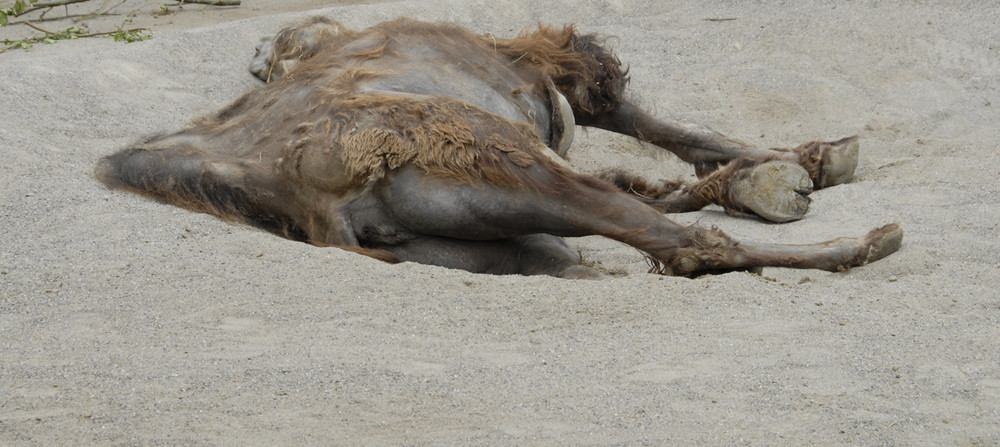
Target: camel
{"x": 428, "y": 143}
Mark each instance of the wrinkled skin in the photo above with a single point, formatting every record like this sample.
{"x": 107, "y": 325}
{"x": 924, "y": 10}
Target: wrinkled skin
{"x": 420, "y": 142}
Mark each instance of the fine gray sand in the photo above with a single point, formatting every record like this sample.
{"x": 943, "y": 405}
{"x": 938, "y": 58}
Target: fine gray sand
{"x": 124, "y": 321}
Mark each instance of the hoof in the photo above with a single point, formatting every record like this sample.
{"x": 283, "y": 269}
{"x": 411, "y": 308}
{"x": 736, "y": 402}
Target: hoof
{"x": 839, "y": 160}
{"x": 776, "y": 191}
{"x": 883, "y": 242}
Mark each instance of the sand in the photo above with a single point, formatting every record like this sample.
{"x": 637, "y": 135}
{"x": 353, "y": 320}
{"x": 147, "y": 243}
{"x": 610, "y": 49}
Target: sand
{"x": 128, "y": 322}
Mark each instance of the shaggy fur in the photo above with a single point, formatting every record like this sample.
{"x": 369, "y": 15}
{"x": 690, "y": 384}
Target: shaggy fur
{"x": 589, "y": 75}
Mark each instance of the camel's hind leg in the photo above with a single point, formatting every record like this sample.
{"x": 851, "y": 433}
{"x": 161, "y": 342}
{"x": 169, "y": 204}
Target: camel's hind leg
{"x": 569, "y": 204}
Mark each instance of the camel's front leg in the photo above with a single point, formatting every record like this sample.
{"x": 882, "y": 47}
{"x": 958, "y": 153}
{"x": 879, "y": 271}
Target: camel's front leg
{"x": 776, "y": 191}
{"x": 828, "y": 164}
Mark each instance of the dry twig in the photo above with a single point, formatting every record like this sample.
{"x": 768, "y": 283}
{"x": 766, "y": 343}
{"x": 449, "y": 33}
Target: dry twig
{"x": 213, "y": 2}
{"x": 44, "y": 5}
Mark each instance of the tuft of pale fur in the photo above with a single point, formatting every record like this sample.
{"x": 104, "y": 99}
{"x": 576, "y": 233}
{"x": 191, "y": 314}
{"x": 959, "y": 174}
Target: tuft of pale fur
{"x": 638, "y": 186}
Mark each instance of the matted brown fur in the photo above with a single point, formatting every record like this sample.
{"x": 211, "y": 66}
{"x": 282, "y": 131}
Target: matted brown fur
{"x": 377, "y": 134}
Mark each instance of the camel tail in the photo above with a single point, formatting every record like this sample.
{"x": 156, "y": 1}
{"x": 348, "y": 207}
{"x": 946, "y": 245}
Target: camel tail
{"x": 169, "y": 176}
{"x": 148, "y": 172}
{"x": 189, "y": 181}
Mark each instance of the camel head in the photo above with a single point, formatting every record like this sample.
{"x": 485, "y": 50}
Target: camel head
{"x": 278, "y": 55}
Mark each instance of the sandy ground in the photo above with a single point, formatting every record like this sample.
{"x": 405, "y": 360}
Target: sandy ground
{"x": 128, "y": 322}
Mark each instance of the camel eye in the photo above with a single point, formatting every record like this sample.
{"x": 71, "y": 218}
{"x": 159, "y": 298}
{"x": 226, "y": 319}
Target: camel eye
{"x": 264, "y": 45}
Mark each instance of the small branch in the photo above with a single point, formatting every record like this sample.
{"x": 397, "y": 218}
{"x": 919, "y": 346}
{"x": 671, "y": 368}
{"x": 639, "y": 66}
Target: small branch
{"x": 37, "y": 6}
{"x": 212, "y": 2}
{"x": 97, "y": 12}
{"x": 71, "y": 16}
{"x": 59, "y": 36}
{"x": 56, "y": 3}
{"x": 724, "y": 19}
{"x": 32, "y": 25}
{"x": 108, "y": 33}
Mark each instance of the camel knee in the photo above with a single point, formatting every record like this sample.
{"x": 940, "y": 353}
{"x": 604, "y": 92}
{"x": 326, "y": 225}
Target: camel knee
{"x": 697, "y": 251}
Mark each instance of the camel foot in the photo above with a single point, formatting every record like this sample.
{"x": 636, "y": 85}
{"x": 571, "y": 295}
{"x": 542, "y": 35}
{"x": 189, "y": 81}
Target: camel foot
{"x": 830, "y": 163}
{"x": 883, "y": 242}
{"x": 776, "y": 191}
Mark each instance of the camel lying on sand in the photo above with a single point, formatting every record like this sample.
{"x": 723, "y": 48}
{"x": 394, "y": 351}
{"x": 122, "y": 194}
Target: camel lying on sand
{"x": 411, "y": 141}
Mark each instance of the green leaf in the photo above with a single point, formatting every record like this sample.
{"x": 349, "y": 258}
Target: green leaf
{"x": 3, "y": 18}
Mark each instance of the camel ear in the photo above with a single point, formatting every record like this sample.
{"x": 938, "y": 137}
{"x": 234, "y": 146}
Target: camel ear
{"x": 563, "y": 122}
